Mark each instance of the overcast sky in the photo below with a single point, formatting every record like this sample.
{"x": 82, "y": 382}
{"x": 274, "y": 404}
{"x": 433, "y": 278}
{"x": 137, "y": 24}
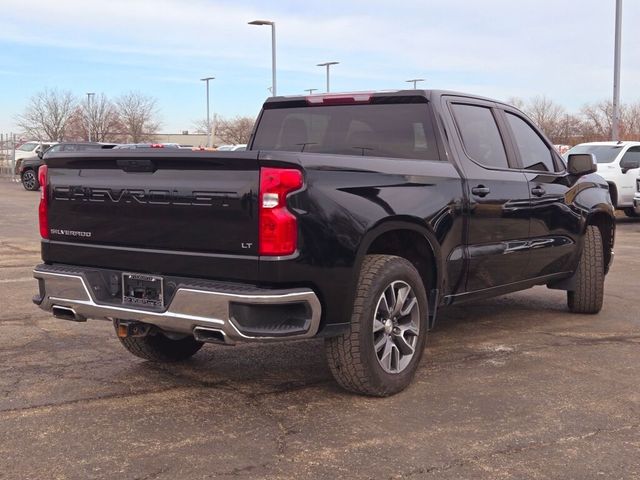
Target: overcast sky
{"x": 499, "y": 48}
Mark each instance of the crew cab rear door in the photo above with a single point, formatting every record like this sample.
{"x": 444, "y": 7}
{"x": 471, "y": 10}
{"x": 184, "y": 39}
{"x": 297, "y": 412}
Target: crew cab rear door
{"x": 498, "y": 195}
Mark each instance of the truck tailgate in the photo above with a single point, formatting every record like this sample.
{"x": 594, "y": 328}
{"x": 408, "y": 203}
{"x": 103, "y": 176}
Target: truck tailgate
{"x": 171, "y": 201}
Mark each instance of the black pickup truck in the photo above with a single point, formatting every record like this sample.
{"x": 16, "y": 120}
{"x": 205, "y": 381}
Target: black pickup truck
{"x": 352, "y": 217}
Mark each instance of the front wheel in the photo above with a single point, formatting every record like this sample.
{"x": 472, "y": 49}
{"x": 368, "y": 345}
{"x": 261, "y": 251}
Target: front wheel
{"x": 381, "y": 353}
{"x": 631, "y": 212}
{"x": 588, "y": 295}
{"x": 30, "y": 180}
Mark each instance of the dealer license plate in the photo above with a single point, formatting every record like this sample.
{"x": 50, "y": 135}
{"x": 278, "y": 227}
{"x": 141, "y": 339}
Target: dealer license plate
{"x": 142, "y": 290}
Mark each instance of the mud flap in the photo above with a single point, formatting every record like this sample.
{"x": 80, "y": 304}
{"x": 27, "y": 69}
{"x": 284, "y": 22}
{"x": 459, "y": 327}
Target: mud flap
{"x": 433, "y": 307}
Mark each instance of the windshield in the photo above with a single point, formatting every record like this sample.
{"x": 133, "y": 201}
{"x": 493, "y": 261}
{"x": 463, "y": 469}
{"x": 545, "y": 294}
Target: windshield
{"x": 603, "y": 153}
{"x": 380, "y": 130}
{"x": 27, "y": 147}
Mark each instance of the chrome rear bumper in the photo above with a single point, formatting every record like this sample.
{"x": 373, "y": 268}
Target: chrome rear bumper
{"x": 69, "y": 291}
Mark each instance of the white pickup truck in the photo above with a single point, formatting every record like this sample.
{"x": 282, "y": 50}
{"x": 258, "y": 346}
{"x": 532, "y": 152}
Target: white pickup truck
{"x": 619, "y": 165}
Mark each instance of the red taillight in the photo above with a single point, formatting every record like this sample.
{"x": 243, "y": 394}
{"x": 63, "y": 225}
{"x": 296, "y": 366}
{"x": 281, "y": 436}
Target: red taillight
{"x": 157, "y": 145}
{"x": 339, "y": 99}
{"x": 278, "y": 226}
{"x": 43, "y": 209}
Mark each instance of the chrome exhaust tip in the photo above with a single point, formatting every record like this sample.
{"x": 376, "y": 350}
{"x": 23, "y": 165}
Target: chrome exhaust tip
{"x": 67, "y": 313}
{"x": 211, "y": 335}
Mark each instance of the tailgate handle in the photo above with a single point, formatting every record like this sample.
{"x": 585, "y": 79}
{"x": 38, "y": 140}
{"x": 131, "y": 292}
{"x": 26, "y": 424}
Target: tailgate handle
{"x": 137, "y": 165}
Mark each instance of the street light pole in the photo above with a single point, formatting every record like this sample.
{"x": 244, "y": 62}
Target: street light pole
{"x": 415, "y": 81}
{"x": 206, "y": 80}
{"x": 273, "y": 51}
{"x": 327, "y": 64}
{"x": 615, "y": 122}
{"x": 310, "y": 90}
{"x": 89, "y": 96}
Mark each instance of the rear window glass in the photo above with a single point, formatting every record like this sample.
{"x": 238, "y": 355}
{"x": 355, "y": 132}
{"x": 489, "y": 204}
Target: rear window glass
{"x": 27, "y": 147}
{"x": 389, "y": 130}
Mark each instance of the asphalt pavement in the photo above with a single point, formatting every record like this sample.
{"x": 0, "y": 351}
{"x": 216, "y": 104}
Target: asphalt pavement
{"x": 513, "y": 387}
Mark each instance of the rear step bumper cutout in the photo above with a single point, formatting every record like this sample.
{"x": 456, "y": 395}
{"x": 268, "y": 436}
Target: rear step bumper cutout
{"x": 238, "y": 316}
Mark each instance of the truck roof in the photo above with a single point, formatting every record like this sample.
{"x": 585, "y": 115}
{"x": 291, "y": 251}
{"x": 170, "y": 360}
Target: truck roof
{"x": 336, "y": 98}
{"x": 613, "y": 143}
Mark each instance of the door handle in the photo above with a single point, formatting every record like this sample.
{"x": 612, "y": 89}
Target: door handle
{"x": 480, "y": 191}
{"x": 538, "y": 191}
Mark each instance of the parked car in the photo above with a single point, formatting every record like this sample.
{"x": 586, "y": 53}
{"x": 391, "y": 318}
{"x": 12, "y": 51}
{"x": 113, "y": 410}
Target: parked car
{"x": 619, "y": 165}
{"x": 30, "y": 150}
{"x": 134, "y": 146}
{"x": 232, "y": 148}
{"x": 29, "y": 167}
{"x": 352, "y": 217}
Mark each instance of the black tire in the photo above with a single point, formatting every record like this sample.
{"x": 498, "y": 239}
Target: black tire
{"x": 352, "y": 357}
{"x": 29, "y": 180}
{"x": 589, "y": 290}
{"x": 631, "y": 212}
{"x": 160, "y": 348}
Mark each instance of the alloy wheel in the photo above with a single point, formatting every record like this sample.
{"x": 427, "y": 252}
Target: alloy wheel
{"x": 396, "y": 326}
{"x": 29, "y": 179}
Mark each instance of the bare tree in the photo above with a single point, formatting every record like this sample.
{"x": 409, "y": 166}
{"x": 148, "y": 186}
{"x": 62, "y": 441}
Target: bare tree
{"x": 234, "y": 130}
{"x": 517, "y": 102}
{"x": 102, "y": 118}
{"x": 201, "y": 126}
{"x": 137, "y": 113}
{"x": 47, "y": 115}
{"x": 597, "y": 118}
{"x": 549, "y": 116}
{"x": 631, "y": 121}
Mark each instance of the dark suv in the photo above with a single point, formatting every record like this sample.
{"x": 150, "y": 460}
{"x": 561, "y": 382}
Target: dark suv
{"x": 28, "y": 170}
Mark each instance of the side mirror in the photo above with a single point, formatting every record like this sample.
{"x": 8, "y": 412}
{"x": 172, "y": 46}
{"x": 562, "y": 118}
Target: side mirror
{"x": 581, "y": 164}
{"x": 40, "y": 154}
{"x": 627, "y": 164}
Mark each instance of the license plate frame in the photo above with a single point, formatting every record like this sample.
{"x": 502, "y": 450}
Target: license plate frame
{"x": 142, "y": 290}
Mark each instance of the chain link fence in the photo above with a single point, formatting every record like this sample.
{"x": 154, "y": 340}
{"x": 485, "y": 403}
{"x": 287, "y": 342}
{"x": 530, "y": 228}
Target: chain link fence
{"x": 8, "y": 142}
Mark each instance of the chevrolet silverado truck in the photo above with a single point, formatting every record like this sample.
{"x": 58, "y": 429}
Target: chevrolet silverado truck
{"x": 352, "y": 217}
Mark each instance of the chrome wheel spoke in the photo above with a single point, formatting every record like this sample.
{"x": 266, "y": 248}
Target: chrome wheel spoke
{"x": 408, "y": 306}
{"x": 405, "y": 345}
{"x": 383, "y": 306}
{"x": 395, "y": 357}
{"x": 377, "y": 325}
{"x": 385, "y": 359}
{"x": 381, "y": 342}
{"x": 403, "y": 293}
{"x": 390, "y": 299}
{"x": 408, "y": 328}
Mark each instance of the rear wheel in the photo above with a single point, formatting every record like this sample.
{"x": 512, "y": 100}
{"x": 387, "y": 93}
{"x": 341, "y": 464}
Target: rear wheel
{"x": 381, "y": 353}
{"x": 588, "y": 295}
{"x": 631, "y": 212}
{"x": 30, "y": 180}
{"x": 157, "y": 347}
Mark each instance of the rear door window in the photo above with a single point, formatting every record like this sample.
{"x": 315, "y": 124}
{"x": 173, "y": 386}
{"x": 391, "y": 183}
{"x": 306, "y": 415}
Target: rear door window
{"x": 480, "y": 135}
